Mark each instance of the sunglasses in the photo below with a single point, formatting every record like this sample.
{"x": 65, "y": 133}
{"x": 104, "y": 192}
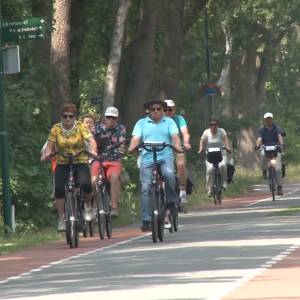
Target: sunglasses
{"x": 213, "y": 124}
{"x": 66, "y": 116}
{"x": 155, "y": 109}
{"x": 168, "y": 109}
{"x": 111, "y": 117}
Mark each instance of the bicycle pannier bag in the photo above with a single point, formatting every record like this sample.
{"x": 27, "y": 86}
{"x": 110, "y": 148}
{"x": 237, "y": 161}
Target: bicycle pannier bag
{"x": 214, "y": 155}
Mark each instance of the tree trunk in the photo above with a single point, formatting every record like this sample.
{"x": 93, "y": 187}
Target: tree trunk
{"x": 60, "y": 56}
{"x": 173, "y": 17}
{"x": 139, "y": 64}
{"x": 115, "y": 54}
{"x": 78, "y": 21}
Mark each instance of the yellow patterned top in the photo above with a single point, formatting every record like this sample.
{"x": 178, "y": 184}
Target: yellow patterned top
{"x": 70, "y": 141}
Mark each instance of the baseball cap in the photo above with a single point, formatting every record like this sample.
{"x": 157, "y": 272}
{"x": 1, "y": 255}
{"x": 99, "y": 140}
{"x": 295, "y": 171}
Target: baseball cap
{"x": 169, "y": 102}
{"x": 111, "y": 112}
{"x": 268, "y": 115}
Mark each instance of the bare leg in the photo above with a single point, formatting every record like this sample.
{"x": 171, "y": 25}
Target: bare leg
{"x": 115, "y": 189}
{"x": 60, "y": 207}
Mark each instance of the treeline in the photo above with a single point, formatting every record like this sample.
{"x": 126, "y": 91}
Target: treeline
{"x": 100, "y": 52}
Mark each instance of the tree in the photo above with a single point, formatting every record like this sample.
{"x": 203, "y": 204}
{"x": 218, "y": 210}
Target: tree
{"x": 139, "y": 63}
{"x": 60, "y": 56}
{"x": 115, "y": 54}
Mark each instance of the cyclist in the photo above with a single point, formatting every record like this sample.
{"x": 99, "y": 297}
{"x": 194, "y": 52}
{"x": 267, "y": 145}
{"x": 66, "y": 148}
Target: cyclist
{"x": 89, "y": 121}
{"x": 184, "y": 135}
{"x": 70, "y": 136}
{"x": 107, "y": 135}
{"x": 155, "y": 128}
{"x": 214, "y": 137}
{"x": 269, "y": 135}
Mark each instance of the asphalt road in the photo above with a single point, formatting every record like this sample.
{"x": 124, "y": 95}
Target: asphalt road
{"x": 214, "y": 252}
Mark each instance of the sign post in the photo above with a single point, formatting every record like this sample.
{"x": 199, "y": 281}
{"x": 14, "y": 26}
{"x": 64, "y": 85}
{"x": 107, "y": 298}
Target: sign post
{"x": 27, "y": 29}
{"x": 12, "y": 31}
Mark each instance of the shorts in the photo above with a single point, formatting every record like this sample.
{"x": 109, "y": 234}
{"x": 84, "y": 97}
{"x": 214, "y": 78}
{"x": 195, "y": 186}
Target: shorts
{"x": 110, "y": 167}
{"x": 82, "y": 178}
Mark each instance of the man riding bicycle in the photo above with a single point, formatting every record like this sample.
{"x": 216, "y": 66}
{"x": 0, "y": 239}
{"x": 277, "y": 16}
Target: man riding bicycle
{"x": 184, "y": 135}
{"x": 269, "y": 135}
{"x": 108, "y": 135}
{"x": 214, "y": 137}
{"x": 156, "y": 128}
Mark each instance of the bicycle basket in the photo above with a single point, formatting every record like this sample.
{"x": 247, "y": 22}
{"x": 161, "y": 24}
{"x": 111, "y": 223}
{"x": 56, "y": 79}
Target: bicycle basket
{"x": 271, "y": 151}
{"x": 214, "y": 155}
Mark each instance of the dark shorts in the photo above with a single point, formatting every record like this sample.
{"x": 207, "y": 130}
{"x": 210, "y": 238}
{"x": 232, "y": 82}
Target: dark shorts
{"x": 82, "y": 178}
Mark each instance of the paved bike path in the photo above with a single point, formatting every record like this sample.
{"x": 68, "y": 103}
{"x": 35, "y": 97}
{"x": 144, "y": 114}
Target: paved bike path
{"x": 19, "y": 262}
{"x": 274, "y": 282}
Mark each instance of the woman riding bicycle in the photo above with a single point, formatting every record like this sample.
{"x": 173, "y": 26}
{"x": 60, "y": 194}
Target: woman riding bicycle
{"x": 70, "y": 136}
{"x": 215, "y": 137}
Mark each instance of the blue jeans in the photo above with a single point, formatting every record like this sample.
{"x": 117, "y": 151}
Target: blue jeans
{"x": 168, "y": 172}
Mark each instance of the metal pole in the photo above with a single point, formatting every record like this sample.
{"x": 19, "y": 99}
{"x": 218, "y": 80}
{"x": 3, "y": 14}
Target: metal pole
{"x": 4, "y": 145}
{"x": 206, "y": 44}
{"x": 210, "y": 106}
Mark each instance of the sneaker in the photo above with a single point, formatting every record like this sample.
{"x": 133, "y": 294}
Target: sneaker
{"x": 279, "y": 190}
{"x": 167, "y": 225}
{"x": 61, "y": 225}
{"x": 183, "y": 197}
{"x": 114, "y": 212}
{"x": 146, "y": 226}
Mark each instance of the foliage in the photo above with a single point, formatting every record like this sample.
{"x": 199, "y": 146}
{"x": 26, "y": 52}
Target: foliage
{"x": 28, "y": 109}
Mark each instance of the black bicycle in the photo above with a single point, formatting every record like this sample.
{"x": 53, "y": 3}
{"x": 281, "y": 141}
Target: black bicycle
{"x": 214, "y": 156}
{"x": 102, "y": 199}
{"x": 73, "y": 204}
{"x": 271, "y": 153}
{"x": 158, "y": 201}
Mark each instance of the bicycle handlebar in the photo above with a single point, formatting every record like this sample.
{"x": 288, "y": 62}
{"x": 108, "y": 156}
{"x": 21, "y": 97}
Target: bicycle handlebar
{"x": 157, "y": 147}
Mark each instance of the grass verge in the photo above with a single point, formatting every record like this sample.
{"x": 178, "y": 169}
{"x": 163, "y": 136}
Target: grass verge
{"x": 22, "y": 240}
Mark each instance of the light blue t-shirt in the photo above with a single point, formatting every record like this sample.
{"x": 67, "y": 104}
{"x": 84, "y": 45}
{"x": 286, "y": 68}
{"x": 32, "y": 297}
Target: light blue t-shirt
{"x": 149, "y": 131}
{"x": 180, "y": 121}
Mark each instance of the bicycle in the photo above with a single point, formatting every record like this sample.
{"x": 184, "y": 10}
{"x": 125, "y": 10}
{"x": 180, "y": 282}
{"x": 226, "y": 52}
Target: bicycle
{"x": 214, "y": 156}
{"x": 158, "y": 202}
{"x": 103, "y": 199}
{"x": 271, "y": 153}
{"x": 73, "y": 204}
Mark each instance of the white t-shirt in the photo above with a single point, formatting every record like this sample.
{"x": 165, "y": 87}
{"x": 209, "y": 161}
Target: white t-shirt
{"x": 214, "y": 140}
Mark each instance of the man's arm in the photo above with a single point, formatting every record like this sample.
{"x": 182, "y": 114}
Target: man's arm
{"x": 176, "y": 142}
{"x": 135, "y": 140}
{"x": 186, "y": 137}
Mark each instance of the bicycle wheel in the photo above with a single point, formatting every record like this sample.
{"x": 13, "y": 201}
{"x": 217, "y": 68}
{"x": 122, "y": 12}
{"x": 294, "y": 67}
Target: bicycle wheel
{"x": 272, "y": 185}
{"x": 215, "y": 188}
{"x": 219, "y": 187}
{"x": 70, "y": 216}
{"x": 100, "y": 211}
{"x": 154, "y": 215}
{"x": 161, "y": 204}
{"x": 174, "y": 213}
{"x": 107, "y": 210}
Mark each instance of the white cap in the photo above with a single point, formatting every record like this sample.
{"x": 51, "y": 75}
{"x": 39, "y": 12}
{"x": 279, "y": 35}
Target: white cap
{"x": 169, "y": 102}
{"x": 111, "y": 112}
{"x": 268, "y": 115}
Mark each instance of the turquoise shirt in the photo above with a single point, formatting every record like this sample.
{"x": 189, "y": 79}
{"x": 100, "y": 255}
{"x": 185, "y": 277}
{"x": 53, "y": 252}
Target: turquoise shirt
{"x": 149, "y": 131}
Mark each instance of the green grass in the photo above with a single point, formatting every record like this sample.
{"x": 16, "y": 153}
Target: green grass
{"x": 243, "y": 181}
{"x": 18, "y": 241}
{"x": 287, "y": 212}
